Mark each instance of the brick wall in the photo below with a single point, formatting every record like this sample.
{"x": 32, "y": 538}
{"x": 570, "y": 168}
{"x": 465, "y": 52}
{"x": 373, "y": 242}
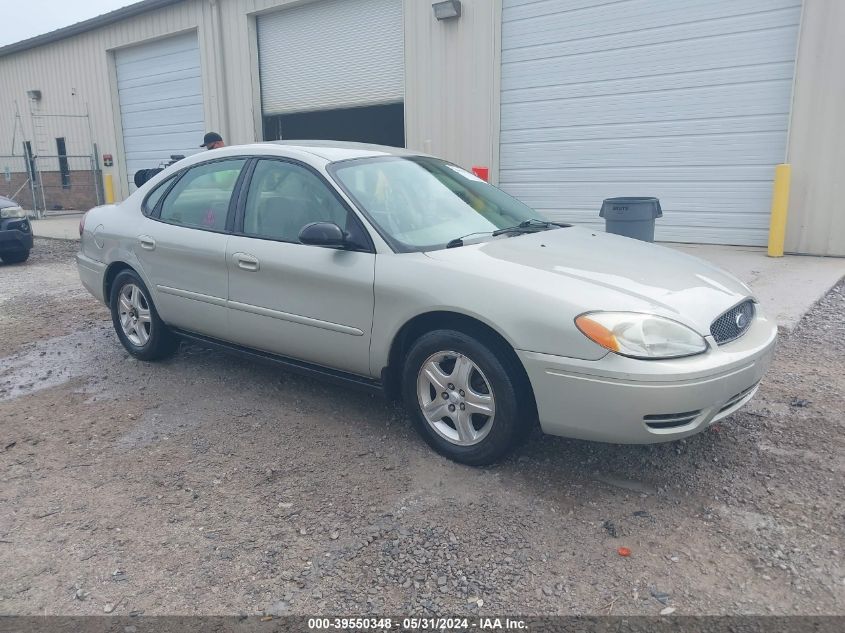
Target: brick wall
{"x": 81, "y": 194}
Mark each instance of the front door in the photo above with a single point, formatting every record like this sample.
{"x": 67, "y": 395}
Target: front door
{"x": 305, "y": 302}
{"x": 182, "y": 248}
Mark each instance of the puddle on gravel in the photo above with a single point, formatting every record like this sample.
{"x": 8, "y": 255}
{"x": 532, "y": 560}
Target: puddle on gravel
{"x": 52, "y": 362}
{"x": 155, "y": 426}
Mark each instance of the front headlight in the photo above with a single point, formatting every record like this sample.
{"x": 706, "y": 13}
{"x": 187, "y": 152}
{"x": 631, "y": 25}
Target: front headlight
{"x": 12, "y": 212}
{"x": 640, "y": 335}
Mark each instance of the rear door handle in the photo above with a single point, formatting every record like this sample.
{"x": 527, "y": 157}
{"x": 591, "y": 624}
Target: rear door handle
{"x": 147, "y": 243}
{"x": 246, "y": 262}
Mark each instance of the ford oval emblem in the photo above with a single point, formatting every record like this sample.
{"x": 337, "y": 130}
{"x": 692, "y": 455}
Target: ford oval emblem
{"x": 741, "y": 319}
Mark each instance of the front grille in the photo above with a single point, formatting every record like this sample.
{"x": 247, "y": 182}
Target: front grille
{"x": 733, "y": 323}
{"x": 670, "y": 420}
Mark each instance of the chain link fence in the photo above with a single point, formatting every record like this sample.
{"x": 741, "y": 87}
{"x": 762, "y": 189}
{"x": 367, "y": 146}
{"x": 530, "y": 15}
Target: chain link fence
{"x": 51, "y": 183}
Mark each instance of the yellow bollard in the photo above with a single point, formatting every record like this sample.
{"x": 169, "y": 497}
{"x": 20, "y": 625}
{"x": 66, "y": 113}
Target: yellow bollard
{"x": 108, "y": 186}
{"x": 780, "y": 206}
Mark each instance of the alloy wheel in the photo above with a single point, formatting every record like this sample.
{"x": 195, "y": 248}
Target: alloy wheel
{"x": 135, "y": 318}
{"x": 455, "y": 398}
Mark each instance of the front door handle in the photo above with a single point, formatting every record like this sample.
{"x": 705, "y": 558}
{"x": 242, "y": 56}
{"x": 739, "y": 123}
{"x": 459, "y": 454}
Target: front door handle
{"x": 246, "y": 262}
{"x": 147, "y": 243}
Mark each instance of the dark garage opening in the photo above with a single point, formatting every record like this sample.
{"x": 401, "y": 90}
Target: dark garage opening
{"x": 381, "y": 124}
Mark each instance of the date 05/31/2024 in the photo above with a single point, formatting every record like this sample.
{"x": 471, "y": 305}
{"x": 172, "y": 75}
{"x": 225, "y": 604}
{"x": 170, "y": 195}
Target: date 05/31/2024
{"x": 416, "y": 624}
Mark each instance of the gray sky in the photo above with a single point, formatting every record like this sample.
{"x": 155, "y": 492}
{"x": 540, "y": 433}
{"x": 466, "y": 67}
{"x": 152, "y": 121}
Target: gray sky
{"x": 23, "y": 19}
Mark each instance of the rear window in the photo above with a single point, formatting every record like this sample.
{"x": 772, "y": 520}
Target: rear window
{"x": 201, "y": 197}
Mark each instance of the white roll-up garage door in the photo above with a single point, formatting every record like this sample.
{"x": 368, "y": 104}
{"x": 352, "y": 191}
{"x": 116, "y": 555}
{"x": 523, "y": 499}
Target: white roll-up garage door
{"x": 331, "y": 54}
{"x": 686, "y": 100}
{"x": 160, "y": 90}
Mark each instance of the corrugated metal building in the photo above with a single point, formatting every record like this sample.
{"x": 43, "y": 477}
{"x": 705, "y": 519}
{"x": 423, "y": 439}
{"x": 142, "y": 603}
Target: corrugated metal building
{"x": 567, "y": 101}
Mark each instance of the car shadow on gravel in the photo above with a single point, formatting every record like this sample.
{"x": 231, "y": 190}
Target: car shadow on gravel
{"x": 639, "y": 468}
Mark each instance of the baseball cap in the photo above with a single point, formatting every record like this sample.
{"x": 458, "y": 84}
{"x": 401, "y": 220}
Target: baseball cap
{"x": 211, "y": 137}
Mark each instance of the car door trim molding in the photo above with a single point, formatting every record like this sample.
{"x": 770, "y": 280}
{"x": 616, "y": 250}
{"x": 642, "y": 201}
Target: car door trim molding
{"x": 295, "y": 318}
{"x": 336, "y": 376}
{"x": 195, "y": 296}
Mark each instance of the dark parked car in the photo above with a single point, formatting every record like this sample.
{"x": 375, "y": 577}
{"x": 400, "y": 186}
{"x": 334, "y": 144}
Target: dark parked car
{"x": 15, "y": 232}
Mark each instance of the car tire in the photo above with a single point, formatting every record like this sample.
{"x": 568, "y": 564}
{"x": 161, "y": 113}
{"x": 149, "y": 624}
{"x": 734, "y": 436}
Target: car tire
{"x": 17, "y": 257}
{"x": 136, "y": 320}
{"x": 470, "y": 375}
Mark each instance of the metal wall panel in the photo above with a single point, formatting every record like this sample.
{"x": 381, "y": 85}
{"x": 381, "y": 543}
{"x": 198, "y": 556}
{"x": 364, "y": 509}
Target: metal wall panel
{"x": 78, "y": 73}
{"x": 159, "y": 88}
{"x": 686, "y": 100}
{"x": 816, "y": 149}
{"x": 331, "y": 54}
{"x": 450, "y": 73}
{"x": 451, "y": 89}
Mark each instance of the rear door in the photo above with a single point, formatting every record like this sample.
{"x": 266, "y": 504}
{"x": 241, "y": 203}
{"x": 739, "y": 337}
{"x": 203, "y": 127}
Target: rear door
{"x": 182, "y": 247}
{"x": 305, "y": 302}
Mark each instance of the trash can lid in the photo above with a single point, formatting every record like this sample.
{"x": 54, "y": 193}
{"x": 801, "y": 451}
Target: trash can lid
{"x": 631, "y": 208}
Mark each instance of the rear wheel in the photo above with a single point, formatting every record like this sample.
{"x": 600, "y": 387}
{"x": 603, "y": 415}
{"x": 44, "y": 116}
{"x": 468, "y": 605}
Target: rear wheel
{"x": 136, "y": 321}
{"x": 465, "y": 397}
{"x": 16, "y": 257}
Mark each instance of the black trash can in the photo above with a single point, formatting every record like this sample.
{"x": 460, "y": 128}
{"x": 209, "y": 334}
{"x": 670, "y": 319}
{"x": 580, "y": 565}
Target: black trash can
{"x": 631, "y": 217}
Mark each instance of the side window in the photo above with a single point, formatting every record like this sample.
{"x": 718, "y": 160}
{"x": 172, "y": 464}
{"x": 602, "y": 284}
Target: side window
{"x": 155, "y": 195}
{"x": 284, "y": 197}
{"x": 201, "y": 197}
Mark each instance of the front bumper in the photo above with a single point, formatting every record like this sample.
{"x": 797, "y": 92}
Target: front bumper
{"x": 628, "y": 401}
{"x": 15, "y": 235}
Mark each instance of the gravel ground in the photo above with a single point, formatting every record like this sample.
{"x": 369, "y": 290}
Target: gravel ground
{"x": 40, "y": 299}
{"x": 210, "y": 485}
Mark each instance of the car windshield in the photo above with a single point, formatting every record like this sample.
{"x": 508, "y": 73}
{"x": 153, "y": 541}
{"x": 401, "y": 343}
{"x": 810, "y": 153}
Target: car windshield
{"x": 420, "y": 203}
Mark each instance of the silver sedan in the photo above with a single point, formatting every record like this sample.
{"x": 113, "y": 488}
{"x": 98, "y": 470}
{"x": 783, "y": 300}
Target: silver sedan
{"x": 404, "y": 273}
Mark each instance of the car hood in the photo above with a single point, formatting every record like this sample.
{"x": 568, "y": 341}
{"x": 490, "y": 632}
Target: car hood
{"x": 610, "y": 273}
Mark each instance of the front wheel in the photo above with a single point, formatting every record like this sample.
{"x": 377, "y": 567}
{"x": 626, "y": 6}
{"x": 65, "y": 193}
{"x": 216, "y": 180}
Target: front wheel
{"x": 465, "y": 397}
{"x": 136, "y": 321}
{"x": 17, "y": 257}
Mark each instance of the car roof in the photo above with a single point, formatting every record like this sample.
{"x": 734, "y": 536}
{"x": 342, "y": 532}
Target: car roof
{"x": 317, "y": 153}
{"x": 344, "y": 150}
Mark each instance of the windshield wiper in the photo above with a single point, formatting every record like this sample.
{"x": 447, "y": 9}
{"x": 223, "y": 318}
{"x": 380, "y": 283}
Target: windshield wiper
{"x": 459, "y": 241}
{"x": 526, "y": 226}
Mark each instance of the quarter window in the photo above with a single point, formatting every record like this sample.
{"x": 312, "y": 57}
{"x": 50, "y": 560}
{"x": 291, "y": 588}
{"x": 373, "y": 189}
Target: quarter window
{"x": 283, "y": 198}
{"x": 201, "y": 197}
{"x": 155, "y": 195}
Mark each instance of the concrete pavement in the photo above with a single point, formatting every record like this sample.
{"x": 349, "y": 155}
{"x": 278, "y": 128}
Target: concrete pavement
{"x": 787, "y": 287}
{"x": 60, "y": 227}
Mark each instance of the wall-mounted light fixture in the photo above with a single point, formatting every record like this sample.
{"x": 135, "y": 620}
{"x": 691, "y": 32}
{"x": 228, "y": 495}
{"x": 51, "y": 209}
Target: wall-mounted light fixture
{"x": 35, "y": 95}
{"x": 447, "y": 10}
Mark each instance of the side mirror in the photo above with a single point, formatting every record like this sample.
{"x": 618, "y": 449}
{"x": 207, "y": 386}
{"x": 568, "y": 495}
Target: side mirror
{"x": 323, "y": 234}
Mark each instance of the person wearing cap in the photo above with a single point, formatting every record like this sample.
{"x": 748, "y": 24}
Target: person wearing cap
{"x": 212, "y": 140}
{"x": 224, "y": 180}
